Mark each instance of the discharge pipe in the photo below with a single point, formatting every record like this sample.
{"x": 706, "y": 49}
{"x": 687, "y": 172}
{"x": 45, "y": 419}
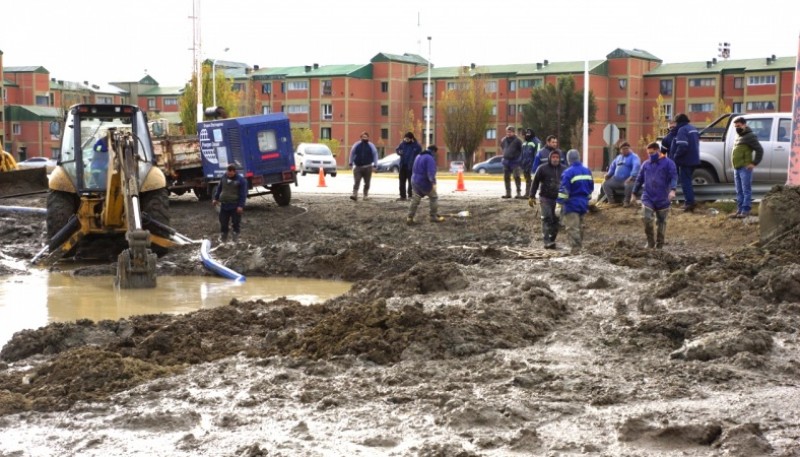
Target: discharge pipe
{"x": 22, "y": 209}
{"x": 215, "y": 266}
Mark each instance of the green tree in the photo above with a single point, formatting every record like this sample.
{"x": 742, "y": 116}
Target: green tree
{"x": 411, "y": 124}
{"x": 301, "y": 135}
{"x": 466, "y": 111}
{"x": 558, "y": 110}
{"x": 332, "y": 144}
{"x": 226, "y": 98}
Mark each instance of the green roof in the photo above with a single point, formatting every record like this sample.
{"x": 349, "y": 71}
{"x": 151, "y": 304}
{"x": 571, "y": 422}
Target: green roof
{"x": 519, "y": 70}
{"x": 742, "y": 65}
{"x": 31, "y": 69}
{"x": 8, "y": 83}
{"x": 325, "y": 71}
{"x": 275, "y": 73}
{"x": 620, "y": 53}
{"x": 405, "y": 58}
{"x": 33, "y": 113}
{"x": 162, "y": 91}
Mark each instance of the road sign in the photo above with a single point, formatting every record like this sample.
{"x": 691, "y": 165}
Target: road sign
{"x": 611, "y": 134}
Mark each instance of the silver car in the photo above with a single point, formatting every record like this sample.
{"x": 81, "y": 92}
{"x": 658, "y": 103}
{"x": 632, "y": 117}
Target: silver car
{"x": 310, "y": 157}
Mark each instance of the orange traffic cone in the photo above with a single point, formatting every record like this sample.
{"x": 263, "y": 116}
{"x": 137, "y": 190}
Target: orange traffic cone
{"x": 460, "y": 182}
{"x": 321, "y": 178}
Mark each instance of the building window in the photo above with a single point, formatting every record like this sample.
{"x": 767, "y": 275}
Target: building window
{"x": 623, "y": 133}
{"x": 42, "y": 100}
{"x": 384, "y": 86}
{"x": 283, "y": 88}
{"x": 151, "y": 103}
{"x": 667, "y": 109}
{"x": 425, "y": 135}
{"x": 512, "y": 86}
{"x": 266, "y": 109}
{"x": 621, "y": 109}
{"x": 760, "y": 106}
{"x": 266, "y": 88}
{"x": 426, "y": 112}
{"x": 55, "y": 152}
{"x": 16, "y": 129}
{"x": 512, "y": 110}
{"x": 384, "y": 110}
{"x": 738, "y": 83}
{"x": 528, "y": 83}
{"x": 237, "y": 87}
{"x": 702, "y": 82}
{"x": 736, "y": 107}
{"x": 760, "y": 80}
{"x": 327, "y": 112}
{"x": 107, "y": 101}
{"x": 623, "y": 83}
{"x": 491, "y": 134}
{"x": 325, "y": 133}
{"x": 384, "y": 134}
{"x": 494, "y": 110}
{"x": 491, "y": 86}
{"x": 297, "y": 109}
{"x": 327, "y": 87}
{"x": 665, "y": 86}
{"x": 298, "y": 85}
{"x": 701, "y": 107}
{"x": 426, "y": 89}
{"x": 167, "y": 101}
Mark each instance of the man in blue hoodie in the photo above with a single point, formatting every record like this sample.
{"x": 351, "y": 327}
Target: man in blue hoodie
{"x": 408, "y": 150}
{"x": 621, "y": 175}
{"x": 685, "y": 152}
{"x": 577, "y": 185}
{"x": 423, "y": 182}
{"x": 658, "y": 177}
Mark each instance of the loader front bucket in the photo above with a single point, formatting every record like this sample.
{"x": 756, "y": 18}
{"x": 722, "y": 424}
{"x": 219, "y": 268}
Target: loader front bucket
{"x": 23, "y": 181}
{"x": 136, "y": 266}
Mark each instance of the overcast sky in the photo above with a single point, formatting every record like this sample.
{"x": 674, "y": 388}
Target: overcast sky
{"x": 101, "y": 41}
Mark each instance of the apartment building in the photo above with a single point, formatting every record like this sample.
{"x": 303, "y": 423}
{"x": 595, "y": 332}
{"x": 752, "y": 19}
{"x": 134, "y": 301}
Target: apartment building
{"x": 633, "y": 89}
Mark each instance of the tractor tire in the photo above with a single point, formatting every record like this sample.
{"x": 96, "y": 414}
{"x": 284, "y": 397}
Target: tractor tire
{"x": 156, "y": 204}
{"x": 60, "y": 207}
{"x": 282, "y": 193}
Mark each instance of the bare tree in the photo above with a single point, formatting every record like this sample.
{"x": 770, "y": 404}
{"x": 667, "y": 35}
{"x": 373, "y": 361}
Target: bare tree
{"x": 466, "y": 110}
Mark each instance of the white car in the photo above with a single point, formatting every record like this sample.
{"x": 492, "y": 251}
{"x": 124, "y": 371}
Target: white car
{"x": 310, "y": 157}
{"x": 36, "y": 162}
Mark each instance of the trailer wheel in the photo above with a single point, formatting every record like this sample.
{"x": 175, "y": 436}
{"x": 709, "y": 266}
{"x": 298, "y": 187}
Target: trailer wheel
{"x": 156, "y": 204}
{"x": 202, "y": 193}
{"x": 60, "y": 207}
{"x": 282, "y": 193}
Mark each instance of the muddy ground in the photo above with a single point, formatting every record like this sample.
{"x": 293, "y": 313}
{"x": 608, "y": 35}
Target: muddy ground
{"x": 457, "y": 339}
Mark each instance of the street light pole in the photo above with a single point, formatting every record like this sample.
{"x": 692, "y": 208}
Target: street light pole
{"x": 428, "y": 102}
{"x": 214, "y": 79}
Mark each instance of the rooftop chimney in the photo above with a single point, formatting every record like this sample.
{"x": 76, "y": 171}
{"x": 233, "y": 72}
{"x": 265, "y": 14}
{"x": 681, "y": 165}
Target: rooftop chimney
{"x": 708, "y": 64}
{"x": 255, "y": 67}
{"x": 538, "y": 65}
{"x": 472, "y": 66}
{"x": 86, "y": 83}
{"x": 316, "y": 65}
{"x": 308, "y": 68}
{"x": 546, "y": 62}
{"x": 714, "y": 61}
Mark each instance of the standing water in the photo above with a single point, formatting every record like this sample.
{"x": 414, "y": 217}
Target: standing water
{"x": 32, "y": 301}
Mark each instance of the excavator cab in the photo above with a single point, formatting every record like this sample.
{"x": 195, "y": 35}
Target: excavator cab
{"x": 106, "y": 187}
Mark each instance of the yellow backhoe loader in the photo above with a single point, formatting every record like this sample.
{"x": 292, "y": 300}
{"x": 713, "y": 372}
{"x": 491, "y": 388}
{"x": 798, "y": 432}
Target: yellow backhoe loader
{"x": 106, "y": 186}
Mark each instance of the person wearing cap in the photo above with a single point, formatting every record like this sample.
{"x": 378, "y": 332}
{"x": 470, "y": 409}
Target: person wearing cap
{"x": 622, "y": 175}
{"x": 423, "y": 183}
{"x": 658, "y": 177}
{"x": 530, "y": 147}
{"x": 408, "y": 150}
{"x": 512, "y": 153}
{"x": 548, "y": 175}
{"x": 577, "y": 185}
{"x": 230, "y": 195}
{"x": 684, "y": 150}
{"x": 550, "y": 145}
{"x": 363, "y": 159}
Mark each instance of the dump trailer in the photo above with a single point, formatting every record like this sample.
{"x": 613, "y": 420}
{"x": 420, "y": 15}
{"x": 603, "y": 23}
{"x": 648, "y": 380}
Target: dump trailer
{"x": 107, "y": 187}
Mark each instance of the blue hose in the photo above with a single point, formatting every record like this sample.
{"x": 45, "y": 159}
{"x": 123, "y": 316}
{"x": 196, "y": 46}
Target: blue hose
{"x": 22, "y": 209}
{"x": 215, "y": 266}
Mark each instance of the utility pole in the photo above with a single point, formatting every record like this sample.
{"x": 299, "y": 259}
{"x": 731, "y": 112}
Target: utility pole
{"x": 198, "y": 60}
{"x": 428, "y": 102}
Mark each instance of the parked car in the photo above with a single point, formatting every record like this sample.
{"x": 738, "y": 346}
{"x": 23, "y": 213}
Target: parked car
{"x": 493, "y": 166}
{"x": 456, "y": 166}
{"x": 36, "y": 162}
{"x": 390, "y": 163}
{"x": 310, "y": 157}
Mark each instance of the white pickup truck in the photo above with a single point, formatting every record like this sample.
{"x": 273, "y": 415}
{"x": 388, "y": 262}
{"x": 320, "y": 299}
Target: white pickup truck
{"x": 716, "y": 145}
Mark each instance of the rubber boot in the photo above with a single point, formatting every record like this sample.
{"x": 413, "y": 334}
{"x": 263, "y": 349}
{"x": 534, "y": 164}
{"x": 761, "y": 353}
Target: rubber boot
{"x": 651, "y": 239}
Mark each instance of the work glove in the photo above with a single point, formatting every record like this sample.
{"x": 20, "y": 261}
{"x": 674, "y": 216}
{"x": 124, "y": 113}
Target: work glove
{"x": 671, "y": 195}
{"x": 532, "y": 202}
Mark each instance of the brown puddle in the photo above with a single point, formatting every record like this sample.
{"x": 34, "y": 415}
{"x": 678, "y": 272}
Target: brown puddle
{"x": 32, "y": 301}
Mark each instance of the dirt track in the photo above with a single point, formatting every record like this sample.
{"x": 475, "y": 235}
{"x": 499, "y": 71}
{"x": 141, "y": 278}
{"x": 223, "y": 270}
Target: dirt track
{"x": 458, "y": 339}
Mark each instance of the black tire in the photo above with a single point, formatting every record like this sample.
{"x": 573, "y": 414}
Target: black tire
{"x": 156, "y": 204}
{"x": 303, "y": 173}
{"x": 282, "y": 193}
{"x": 60, "y": 207}
{"x": 333, "y": 175}
{"x": 703, "y": 177}
{"x": 202, "y": 193}
{"x": 481, "y": 171}
{"x": 395, "y": 170}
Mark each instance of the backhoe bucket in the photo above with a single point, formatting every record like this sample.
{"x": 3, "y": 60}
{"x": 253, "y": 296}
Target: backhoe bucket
{"x": 23, "y": 181}
{"x": 136, "y": 266}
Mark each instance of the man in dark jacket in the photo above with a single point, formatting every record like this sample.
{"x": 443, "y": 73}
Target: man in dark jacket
{"x": 743, "y": 163}
{"x": 551, "y": 144}
{"x": 659, "y": 177}
{"x": 577, "y": 185}
{"x": 423, "y": 182}
{"x": 363, "y": 159}
{"x": 231, "y": 194}
{"x": 549, "y": 176}
{"x": 685, "y": 152}
{"x": 512, "y": 154}
{"x": 408, "y": 150}
{"x": 530, "y": 147}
